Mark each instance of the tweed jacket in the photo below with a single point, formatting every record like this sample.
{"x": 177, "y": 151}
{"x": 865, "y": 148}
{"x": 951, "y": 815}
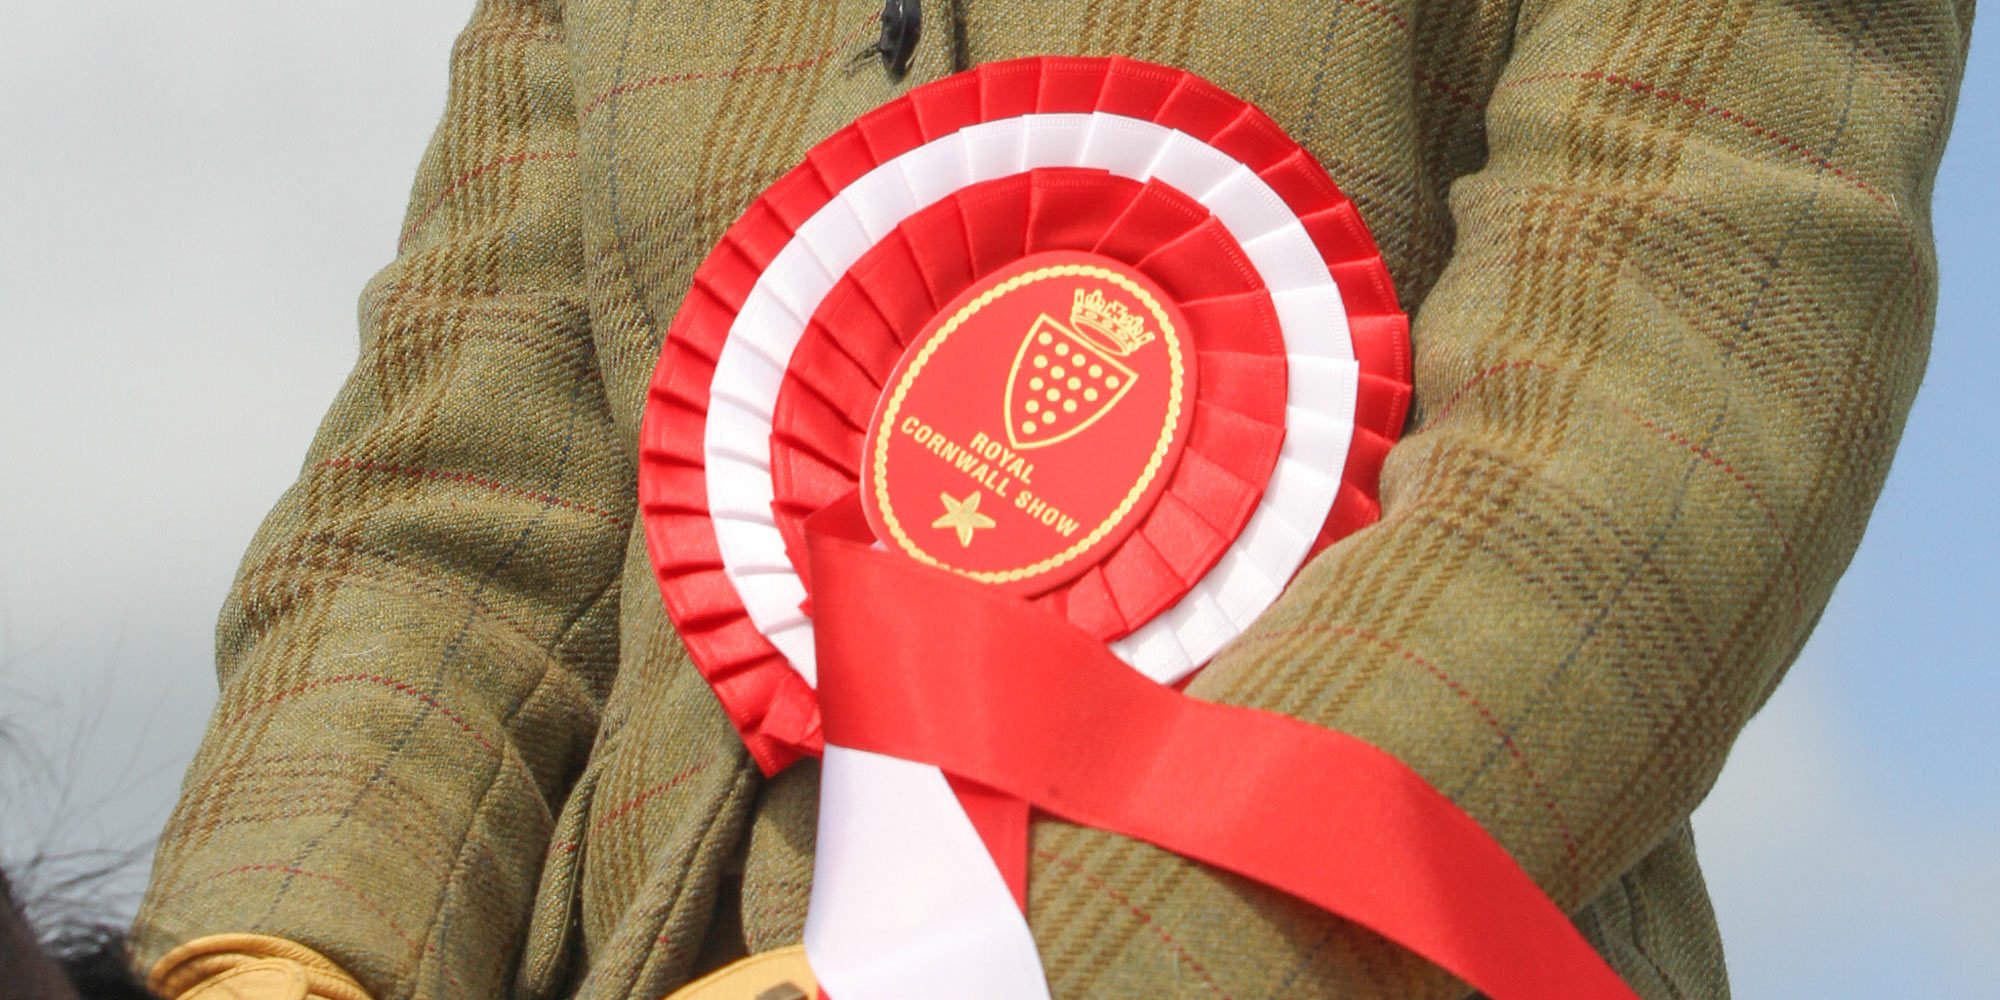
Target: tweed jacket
{"x": 1672, "y": 280}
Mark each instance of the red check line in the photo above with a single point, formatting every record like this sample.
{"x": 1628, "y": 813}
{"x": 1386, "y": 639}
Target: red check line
{"x": 1734, "y": 117}
{"x": 1458, "y": 395}
{"x": 1455, "y": 95}
{"x": 378, "y": 680}
{"x": 737, "y": 73}
{"x": 1748, "y": 485}
{"x": 1487, "y": 715}
{"x": 511, "y": 160}
{"x": 1144, "y": 917}
{"x": 1756, "y": 495}
{"x": 440, "y": 475}
{"x": 631, "y": 805}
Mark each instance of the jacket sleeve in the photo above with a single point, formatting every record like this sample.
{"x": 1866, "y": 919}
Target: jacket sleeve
{"x": 414, "y": 654}
{"x": 1658, "y": 387}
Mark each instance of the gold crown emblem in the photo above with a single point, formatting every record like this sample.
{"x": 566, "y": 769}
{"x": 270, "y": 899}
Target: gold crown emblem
{"x": 1108, "y": 324}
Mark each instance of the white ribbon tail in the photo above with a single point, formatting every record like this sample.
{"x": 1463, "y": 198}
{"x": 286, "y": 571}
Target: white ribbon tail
{"x": 906, "y": 903}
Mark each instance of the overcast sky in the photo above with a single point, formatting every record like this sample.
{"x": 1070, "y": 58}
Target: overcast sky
{"x": 191, "y": 196}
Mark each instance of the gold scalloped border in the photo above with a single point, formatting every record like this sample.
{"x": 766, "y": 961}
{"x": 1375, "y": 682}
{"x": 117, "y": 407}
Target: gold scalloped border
{"x": 1175, "y": 364}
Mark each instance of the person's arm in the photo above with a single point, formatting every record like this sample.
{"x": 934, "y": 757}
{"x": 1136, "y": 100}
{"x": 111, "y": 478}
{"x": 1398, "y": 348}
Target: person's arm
{"x": 416, "y": 649}
{"x": 1658, "y": 387}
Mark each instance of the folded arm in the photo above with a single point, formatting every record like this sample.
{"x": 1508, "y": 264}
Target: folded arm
{"x": 415, "y": 651}
{"x": 1658, "y": 387}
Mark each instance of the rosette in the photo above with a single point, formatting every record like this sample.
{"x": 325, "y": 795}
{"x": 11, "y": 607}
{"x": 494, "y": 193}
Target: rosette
{"x": 1296, "y": 359}
{"x": 1044, "y": 371}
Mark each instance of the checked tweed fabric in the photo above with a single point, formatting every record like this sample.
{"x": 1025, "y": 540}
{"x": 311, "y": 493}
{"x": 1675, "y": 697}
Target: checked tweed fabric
{"x": 1672, "y": 277}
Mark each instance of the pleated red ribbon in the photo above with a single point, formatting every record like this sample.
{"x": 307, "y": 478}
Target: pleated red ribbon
{"x": 926, "y": 666}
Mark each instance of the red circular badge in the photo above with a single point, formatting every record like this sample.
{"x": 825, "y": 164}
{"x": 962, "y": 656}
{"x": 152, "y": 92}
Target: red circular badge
{"x": 1032, "y": 423}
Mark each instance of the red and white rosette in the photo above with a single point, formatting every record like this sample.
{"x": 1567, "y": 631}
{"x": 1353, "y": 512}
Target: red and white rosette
{"x": 1090, "y": 329}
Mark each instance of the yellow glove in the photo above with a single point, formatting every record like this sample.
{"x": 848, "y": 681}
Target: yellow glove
{"x": 774, "y": 975}
{"x": 250, "y": 967}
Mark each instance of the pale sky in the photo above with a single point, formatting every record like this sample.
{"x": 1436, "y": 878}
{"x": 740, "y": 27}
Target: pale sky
{"x": 191, "y": 196}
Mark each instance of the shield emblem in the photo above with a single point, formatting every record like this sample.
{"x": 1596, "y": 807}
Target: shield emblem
{"x": 1060, "y": 385}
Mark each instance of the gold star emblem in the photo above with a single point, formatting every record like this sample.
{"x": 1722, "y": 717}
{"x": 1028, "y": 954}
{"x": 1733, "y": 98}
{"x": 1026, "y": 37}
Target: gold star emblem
{"x": 962, "y": 516}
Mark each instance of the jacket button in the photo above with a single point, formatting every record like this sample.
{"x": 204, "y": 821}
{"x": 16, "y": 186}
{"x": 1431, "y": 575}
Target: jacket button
{"x": 902, "y": 26}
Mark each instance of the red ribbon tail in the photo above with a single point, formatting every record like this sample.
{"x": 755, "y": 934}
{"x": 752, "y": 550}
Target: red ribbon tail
{"x": 1002, "y": 822}
{"x": 1012, "y": 702}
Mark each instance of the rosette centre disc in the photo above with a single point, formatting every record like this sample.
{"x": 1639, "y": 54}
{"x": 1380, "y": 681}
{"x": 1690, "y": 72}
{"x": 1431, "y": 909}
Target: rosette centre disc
{"x": 1032, "y": 422}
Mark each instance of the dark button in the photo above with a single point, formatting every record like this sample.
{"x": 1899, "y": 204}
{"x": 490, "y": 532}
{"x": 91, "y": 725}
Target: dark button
{"x": 902, "y": 25}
